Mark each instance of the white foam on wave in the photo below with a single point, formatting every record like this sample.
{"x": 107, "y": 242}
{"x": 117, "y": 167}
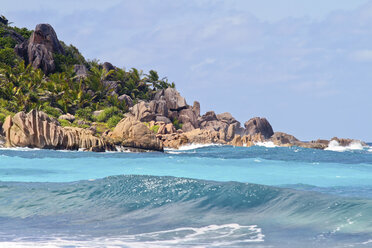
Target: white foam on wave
{"x": 22, "y": 149}
{"x": 268, "y": 144}
{"x": 188, "y": 147}
{"x": 212, "y": 236}
{"x": 336, "y": 147}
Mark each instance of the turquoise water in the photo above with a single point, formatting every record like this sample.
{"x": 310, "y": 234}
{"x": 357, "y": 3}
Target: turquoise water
{"x": 215, "y": 196}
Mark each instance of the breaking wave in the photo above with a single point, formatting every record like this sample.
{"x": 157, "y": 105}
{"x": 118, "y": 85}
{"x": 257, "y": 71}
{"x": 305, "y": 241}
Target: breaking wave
{"x": 335, "y": 146}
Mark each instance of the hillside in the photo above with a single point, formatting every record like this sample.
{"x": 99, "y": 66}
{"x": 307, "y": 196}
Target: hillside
{"x": 38, "y": 71}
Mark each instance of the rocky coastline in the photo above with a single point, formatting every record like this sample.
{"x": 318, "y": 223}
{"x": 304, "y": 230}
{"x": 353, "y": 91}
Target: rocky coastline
{"x": 164, "y": 120}
{"x": 148, "y": 127}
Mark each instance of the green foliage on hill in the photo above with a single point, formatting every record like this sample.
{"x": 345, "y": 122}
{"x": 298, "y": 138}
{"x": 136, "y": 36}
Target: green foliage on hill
{"x": 23, "y": 88}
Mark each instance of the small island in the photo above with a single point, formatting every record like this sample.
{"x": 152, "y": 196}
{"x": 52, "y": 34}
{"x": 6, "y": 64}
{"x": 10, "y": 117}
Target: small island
{"x": 51, "y": 97}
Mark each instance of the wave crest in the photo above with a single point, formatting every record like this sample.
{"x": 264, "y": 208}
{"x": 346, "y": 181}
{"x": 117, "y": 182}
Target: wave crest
{"x": 336, "y": 147}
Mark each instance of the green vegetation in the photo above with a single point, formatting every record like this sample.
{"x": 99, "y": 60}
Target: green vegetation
{"x": 176, "y": 123}
{"x": 51, "y": 111}
{"x": 108, "y": 113}
{"x": 155, "y": 128}
{"x": 113, "y": 120}
{"x": 84, "y": 114}
{"x": 23, "y": 88}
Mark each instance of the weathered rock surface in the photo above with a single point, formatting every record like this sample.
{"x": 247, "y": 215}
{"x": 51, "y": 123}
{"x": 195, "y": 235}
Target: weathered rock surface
{"x": 130, "y": 132}
{"x": 196, "y": 108}
{"x": 175, "y": 102}
{"x": 283, "y": 139}
{"x": 258, "y": 125}
{"x": 127, "y": 99}
{"x": 347, "y": 142}
{"x": 37, "y": 130}
{"x": 68, "y": 117}
{"x": 38, "y": 50}
{"x": 81, "y": 71}
{"x": 142, "y": 112}
{"x": 107, "y": 66}
{"x": 188, "y": 116}
{"x": 111, "y": 87}
{"x": 247, "y": 140}
{"x": 209, "y": 121}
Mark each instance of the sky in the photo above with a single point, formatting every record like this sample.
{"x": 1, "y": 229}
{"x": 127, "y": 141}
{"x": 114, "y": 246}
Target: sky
{"x": 304, "y": 65}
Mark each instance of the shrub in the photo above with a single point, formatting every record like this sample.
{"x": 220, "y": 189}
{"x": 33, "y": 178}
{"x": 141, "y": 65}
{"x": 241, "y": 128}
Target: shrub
{"x": 176, "y": 123}
{"x": 108, "y": 113}
{"x": 64, "y": 123}
{"x": 7, "y": 42}
{"x": 2, "y": 118}
{"x": 155, "y": 129}
{"x": 113, "y": 121}
{"x": 51, "y": 111}
{"x": 8, "y": 56}
{"x": 85, "y": 114}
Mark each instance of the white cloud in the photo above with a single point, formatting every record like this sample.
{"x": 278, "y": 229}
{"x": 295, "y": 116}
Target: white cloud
{"x": 362, "y": 55}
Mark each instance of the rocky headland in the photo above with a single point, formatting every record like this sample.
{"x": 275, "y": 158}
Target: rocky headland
{"x": 161, "y": 119}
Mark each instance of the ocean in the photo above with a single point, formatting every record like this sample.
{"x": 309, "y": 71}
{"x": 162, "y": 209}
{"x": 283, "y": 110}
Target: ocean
{"x": 198, "y": 196}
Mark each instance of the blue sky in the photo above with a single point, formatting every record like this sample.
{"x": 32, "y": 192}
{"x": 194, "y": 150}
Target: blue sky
{"x": 305, "y": 65}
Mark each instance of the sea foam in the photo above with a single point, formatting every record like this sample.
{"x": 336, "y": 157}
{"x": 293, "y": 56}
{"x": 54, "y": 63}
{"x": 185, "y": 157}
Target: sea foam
{"x": 336, "y": 147}
{"x": 268, "y": 144}
{"x": 226, "y": 235}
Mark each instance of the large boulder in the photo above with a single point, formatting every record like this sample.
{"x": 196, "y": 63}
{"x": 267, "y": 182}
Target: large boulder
{"x": 111, "y": 87}
{"x": 39, "y": 49}
{"x": 142, "y": 112}
{"x": 247, "y": 140}
{"x": 131, "y": 133}
{"x": 127, "y": 99}
{"x": 209, "y": 121}
{"x": 159, "y": 107}
{"x": 196, "y": 108}
{"x": 186, "y": 116}
{"x": 175, "y": 102}
{"x": 347, "y": 142}
{"x": 81, "y": 71}
{"x": 37, "y": 130}
{"x": 283, "y": 139}
{"x": 258, "y": 125}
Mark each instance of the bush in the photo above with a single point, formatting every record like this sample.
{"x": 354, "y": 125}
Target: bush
{"x": 113, "y": 121}
{"x": 155, "y": 129}
{"x": 8, "y": 56}
{"x": 71, "y": 57}
{"x": 85, "y": 114}
{"x": 108, "y": 113}
{"x": 7, "y": 42}
{"x": 64, "y": 123}
{"x": 2, "y": 118}
{"x": 51, "y": 111}
{"x": 176, "y": 123}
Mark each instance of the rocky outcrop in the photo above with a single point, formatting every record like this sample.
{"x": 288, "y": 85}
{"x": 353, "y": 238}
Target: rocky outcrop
{"x": 81, "y": 71}
{"x": 209, "y": 121}
{"x": 37, "y": 130}
{"x": 189, "y": 119}
{"x": 127, "y": 99}
{"x": 195, "y": 136}
{"x": 347, "y": 142}
{"x": 68, "y": 117}
{"x": 196, "y": 108}
{"x": 130, "y": 132}
{"x": 247, "y": 140}
{"x": 38, "y": 50}
{"x": 175, "y": 102}
{"x": 283, "y": 139}
{"x": 142, "y": 112}
{"x": 111, "y": 87}
{"x": 258, "y": 125}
